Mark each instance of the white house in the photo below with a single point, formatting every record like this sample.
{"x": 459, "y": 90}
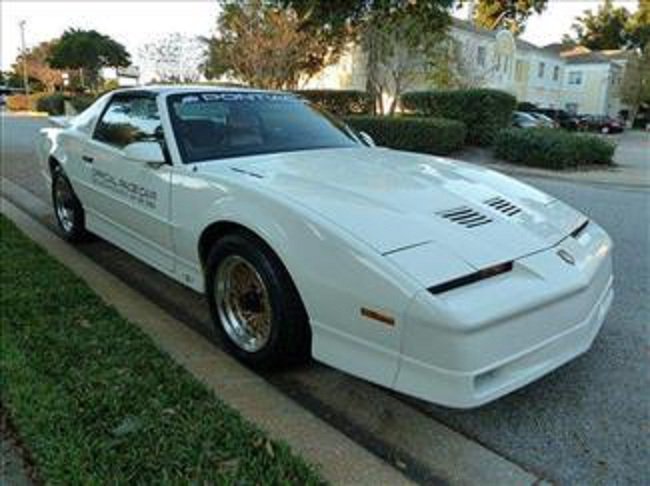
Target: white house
{"x": 593, "y": 81}
{"x": 531, "y": 73}
{"x": 580, "y": 81}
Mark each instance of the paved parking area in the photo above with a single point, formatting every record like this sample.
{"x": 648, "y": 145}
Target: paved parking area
{"x": 631, "y": 169}
{"x": 587, "y": 423}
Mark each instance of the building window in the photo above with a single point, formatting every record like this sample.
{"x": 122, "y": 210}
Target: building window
{"x": 575, "y": 78}
{"x": 540, "y": 70}
{"x": 556, "y": 73}
{"x": 519, "y": 70}
{"x": 480, "y": 56}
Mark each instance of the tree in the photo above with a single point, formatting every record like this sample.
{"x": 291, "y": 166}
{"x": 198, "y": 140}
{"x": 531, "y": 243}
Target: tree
{"x": 457, "y": 66}
{"x": 638, "y": 27}
{"x": 340, "y": 22}
{"x": 174, "y": 58}
{"x": 506, "y": 14}
{"x": 38, "y": 68}
{"x": 605, "y": 29}
{"x": 88, "y": 51}
{"x": 400, "y": 39}
{"x": 635, "y": 87}
{"x": 333, "y": 22}
{"x": 12, "y": 79}
{"x": 264, "y": 46}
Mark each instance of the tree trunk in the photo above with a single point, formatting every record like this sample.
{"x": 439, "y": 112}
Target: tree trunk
{"x": 396, "y": 95}
{"x": 634, "y": 109}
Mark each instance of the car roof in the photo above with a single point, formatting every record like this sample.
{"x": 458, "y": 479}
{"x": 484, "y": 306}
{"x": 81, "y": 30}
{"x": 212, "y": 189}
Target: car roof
{"x": 167, "y": 89}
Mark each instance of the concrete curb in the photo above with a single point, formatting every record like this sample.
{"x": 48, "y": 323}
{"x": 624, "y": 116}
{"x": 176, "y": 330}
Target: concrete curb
{"x": 39, "y": 114}
{"x": 603, "y": 177}
{"x": 340, "y": 459}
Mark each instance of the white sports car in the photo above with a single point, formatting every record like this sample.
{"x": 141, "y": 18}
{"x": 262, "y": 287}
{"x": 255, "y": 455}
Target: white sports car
{"x": 430, "y": 276}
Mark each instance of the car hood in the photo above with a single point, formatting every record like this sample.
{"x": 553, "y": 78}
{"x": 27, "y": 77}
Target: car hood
{"x": 395, "y": 201}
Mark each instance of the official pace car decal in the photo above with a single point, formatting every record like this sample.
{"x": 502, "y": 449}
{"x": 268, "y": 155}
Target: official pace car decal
{"x": 130, "y": 190}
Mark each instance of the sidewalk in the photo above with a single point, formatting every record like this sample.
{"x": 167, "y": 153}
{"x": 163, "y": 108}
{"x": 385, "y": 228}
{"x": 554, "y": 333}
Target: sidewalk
{"x": 632, "y": 167}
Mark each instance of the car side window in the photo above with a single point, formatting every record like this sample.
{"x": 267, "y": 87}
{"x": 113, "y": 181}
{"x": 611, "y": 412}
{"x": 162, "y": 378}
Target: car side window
{"x": 129, "y": 119}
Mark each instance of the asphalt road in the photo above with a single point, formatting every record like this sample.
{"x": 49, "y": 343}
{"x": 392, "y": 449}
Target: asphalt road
{"x": 586, "y": 423}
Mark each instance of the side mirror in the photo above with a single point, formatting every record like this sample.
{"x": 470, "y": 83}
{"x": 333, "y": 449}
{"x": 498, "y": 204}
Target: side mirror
{"x": 149, "y": 153}
{"x": 367, "y": 139}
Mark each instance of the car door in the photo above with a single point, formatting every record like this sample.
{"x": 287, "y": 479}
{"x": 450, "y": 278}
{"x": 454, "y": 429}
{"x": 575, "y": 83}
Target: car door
{"x": 129, "y": 201}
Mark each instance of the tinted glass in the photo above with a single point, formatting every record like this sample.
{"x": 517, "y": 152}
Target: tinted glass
{"x": 220, "y": 125}
{"x": 128, "y": 120}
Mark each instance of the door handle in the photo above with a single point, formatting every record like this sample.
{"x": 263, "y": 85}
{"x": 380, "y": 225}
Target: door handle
{"x": 88, "y": 159}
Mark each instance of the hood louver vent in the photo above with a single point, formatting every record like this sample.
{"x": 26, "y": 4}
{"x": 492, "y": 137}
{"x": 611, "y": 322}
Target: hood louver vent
{"x": 467, "y": 217}
{"x": 503, "y": 206}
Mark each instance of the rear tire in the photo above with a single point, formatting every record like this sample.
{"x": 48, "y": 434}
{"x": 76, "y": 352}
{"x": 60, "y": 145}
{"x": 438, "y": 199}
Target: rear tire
{"x": 254, "y": 303}
{"x": 68, "y": 211}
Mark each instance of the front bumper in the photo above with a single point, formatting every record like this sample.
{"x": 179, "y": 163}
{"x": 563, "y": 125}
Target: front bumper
{"x": 476, "y": 344}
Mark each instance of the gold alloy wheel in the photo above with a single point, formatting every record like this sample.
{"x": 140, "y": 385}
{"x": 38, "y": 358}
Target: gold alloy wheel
{"x": 243, "y": 303}
{"x": 63, "y": 204}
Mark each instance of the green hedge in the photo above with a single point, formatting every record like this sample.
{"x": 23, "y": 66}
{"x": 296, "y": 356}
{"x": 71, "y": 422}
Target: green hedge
{"x": 430, "y": 135}
{"x": 483, "y": 111}
{"x": 81, "y": 102}
{"x": 552, "y": 149}
{"x": 52, "y": 104}
{"x": 339, "y": 102}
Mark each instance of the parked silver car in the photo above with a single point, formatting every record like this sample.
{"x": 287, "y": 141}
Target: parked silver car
{"x": 545, "y": 121}
{"x": 521, "y": 119}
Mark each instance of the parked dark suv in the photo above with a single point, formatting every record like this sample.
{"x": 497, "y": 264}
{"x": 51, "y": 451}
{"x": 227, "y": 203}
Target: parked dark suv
{"x": 600, "y": 123}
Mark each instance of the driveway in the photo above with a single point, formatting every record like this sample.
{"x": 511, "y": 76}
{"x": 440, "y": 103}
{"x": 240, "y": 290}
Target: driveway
{"x": 633, "y": 150}
{"x": 586, "y": 423}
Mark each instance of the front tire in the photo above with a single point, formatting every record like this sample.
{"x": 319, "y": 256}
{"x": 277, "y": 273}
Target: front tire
{"x": 254, "y": 303}
{"x": 68, "y": 211}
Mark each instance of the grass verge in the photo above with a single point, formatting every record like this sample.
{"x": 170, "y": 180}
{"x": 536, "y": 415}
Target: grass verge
{"x": 95, "y": 401}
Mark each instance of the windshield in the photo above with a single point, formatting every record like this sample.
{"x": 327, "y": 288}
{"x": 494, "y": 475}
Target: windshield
{"x": 221, "y": 125}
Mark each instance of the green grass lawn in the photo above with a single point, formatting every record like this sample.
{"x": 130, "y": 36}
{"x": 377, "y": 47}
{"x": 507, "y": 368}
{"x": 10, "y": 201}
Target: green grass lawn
{"x": 95, "y": 401}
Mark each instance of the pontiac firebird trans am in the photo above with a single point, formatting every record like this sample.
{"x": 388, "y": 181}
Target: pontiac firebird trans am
{"x": 430, "y": 276}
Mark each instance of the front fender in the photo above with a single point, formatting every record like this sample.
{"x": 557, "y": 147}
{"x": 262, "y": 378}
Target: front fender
{"x": 336, "y": 274}
{"x": 47, "y": 148}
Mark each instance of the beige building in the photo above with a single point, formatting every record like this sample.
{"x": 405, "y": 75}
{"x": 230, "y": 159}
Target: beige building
{"x": 593, "y": 81}
{"x": 580, "y": 81}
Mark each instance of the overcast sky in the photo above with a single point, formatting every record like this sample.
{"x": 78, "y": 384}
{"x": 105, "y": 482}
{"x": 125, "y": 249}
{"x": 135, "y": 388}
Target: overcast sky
{"x": 133, "y": 23}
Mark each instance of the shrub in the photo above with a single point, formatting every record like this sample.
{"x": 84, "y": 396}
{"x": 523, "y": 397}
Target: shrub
{"x": 483, "y": 111}
{"x": 339, "y": 102}
{"x": 429, "y": 135}
{"x": 81, "y": 101}
{"x": 52, "y": 104}
{"x": 552, "y": 149}
{"x": 22, "y": 102}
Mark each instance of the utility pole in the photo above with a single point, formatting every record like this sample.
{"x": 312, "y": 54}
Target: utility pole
{"x": 21, "y": 24}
